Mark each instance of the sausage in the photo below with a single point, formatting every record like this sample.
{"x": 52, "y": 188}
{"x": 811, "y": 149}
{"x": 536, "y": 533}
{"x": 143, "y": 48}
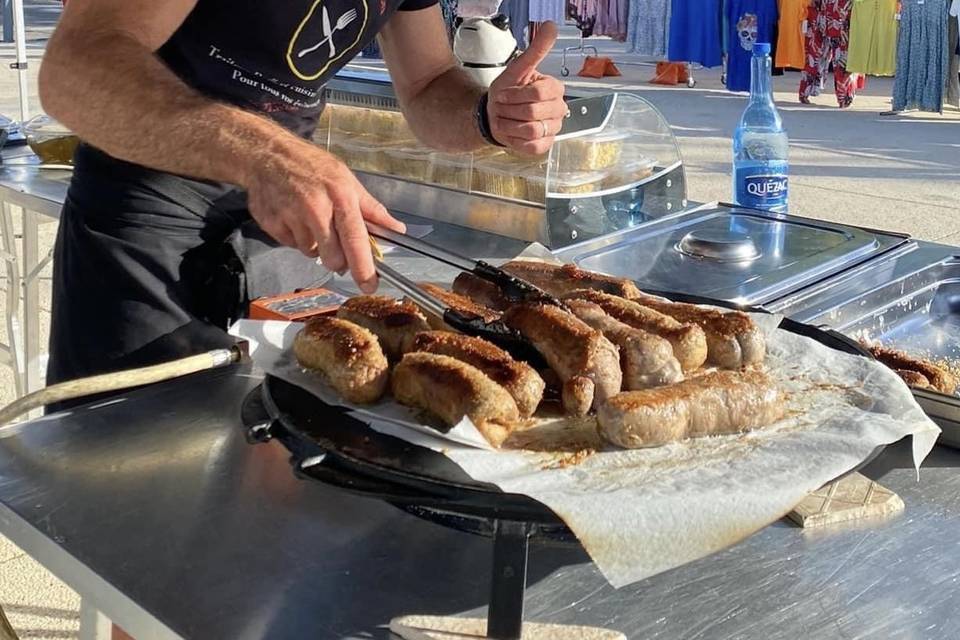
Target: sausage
{"x": 715, "y": 403}
{"x": 480, "y": 291}
{"x": 688, "y": 340}
{"x": 520, "y": 380}
{"x": 394, "y": 322}
{"x": 734, "y": 341}
{"x": 938, "y": 378}
{"x": 645, "y": 359}
{"x": 560, "y": 280}
{"x": 452, "y": 390}
{"x": 914, "y": 378}
{"x": 588, "y": 364}
{"x": 347, "y": 355}
{"x": 457, "y": 302}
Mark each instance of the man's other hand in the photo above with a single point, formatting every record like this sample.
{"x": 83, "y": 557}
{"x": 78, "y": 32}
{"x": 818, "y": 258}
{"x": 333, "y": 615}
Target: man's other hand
{"x": 526, "y": 108}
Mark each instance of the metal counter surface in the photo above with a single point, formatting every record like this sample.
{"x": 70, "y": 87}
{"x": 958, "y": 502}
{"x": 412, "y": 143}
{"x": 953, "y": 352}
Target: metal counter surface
{"x": 157, "y": 509}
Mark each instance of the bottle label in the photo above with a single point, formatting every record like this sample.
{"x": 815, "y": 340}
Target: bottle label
{"x": 763, "y": 191}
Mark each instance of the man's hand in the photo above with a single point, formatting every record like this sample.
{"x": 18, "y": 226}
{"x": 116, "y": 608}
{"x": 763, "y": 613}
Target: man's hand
{"x": 526, "y": 108}
{"x": 308, "y": 199}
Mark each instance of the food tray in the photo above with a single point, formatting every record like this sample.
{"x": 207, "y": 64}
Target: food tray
{"x": 410, "y": 163}
{"x": 590, "y": 153}
{"x": 360, "y": 153}
{"x": 916, "y": 310}
{"x": 578, "y": 182}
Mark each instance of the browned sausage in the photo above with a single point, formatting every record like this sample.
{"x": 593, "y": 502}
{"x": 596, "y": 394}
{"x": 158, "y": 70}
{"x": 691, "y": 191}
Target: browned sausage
{"x": 520, "y": 380}
{"x": 452, "y": 390}
{"x": 347, "y": 355}
{"x": 715, "y": 403}
{"x": 587, "y": 363}
{"x": 394, "y": 322}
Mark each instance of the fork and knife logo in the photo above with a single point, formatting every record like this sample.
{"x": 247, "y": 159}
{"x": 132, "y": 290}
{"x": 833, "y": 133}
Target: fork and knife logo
{"x": 342, "y": 23}
{"x": 323, "y": 37}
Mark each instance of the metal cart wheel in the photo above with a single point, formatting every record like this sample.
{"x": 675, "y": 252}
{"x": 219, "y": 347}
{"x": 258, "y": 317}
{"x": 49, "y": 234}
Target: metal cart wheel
{"x": 564, "y": 71}
{"x": 691, "y": 83}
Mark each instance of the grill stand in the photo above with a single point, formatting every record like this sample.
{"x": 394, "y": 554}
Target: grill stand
{"x": 509, "y": 579}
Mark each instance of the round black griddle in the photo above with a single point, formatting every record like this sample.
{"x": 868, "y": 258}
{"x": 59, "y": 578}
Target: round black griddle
{"x": 331, "y": 446}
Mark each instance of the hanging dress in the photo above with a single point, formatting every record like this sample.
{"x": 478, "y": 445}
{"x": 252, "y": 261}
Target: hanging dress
{"x": 793, "y": 13}
{"x": 750, "y": 21}
{"x": 921, "y": 56}
{"x": 695, "y": 32}
{"x": 548, "y": 10}
{"x": 828, "y": 34}
{"x": 951, "y": 91}
{"x": 647, "y": 26}
{"x": 873, "y": 38}
{"x": 518, "y": 11}
{"x": 612, "y": 19}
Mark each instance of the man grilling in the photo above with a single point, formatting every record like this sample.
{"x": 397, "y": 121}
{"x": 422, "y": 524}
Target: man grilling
{"x": 195, "y": 116}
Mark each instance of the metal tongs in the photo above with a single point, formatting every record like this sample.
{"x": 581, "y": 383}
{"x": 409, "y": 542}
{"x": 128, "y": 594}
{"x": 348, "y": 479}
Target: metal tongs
{"x": 514, "y": 289}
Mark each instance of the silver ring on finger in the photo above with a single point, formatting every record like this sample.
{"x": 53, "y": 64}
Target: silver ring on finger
{"x": 543, "y": 123}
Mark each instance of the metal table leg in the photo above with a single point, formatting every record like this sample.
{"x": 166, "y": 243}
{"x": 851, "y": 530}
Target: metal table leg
{"x": 31, "y": 300}
{"x": 93, "y": 624}
{"x": 509, "y": 580}
{"x": 13, "y": 350}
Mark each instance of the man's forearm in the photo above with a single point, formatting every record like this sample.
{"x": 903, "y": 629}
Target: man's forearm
{"x": 117, "y": 95}
{"x": 443, "y": 113}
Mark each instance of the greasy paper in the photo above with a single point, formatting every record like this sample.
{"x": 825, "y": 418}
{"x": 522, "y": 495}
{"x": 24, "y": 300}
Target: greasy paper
{"x": 641, "y": 512}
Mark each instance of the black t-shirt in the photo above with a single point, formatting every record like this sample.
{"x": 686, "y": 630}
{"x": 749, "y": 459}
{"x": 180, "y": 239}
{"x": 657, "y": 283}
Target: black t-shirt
{"x": 275, "y": 57}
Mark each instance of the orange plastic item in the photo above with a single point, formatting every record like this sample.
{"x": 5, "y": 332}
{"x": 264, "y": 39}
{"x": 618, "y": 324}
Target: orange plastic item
{"x": 670, "y": 73}
{"x": 593, "y": 67}
{"x": 296, "y": 307}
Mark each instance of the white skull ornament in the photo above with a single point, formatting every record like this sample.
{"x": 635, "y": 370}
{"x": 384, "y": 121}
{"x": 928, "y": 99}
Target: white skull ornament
{"x": 747, "y": 31}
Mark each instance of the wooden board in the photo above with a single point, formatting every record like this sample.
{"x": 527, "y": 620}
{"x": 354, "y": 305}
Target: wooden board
{"x": 854, "y": 497}
{"x": 451, "y": 628}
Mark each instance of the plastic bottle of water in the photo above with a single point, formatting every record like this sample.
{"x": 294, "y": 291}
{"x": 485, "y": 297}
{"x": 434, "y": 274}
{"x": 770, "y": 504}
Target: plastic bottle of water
{"x": 760, "y": 144}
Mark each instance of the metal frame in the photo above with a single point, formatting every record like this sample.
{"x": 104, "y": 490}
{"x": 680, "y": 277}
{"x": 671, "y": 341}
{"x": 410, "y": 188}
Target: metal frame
{"x": 12, "y": 353}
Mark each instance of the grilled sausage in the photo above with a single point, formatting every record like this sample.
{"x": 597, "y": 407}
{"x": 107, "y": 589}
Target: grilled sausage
{"x": 560, "y": 280}
{"x": 480, "y": 291}
{"x": 689, "y": 341}
{"x": 452, "y": 390}
{"x": 457, "y": 302}
{"x": 715, "y": 403}
{"x": 914, "y": 378}
{"x": 587, "y": 363}
{"x": 939, "y": 378}
{"x": 394, "y": 322}
{"x": 646, "y": 360}
{"x": 347, "y": 355}
{"x": 733, "y": 340}
{"x": 520, "y": 380}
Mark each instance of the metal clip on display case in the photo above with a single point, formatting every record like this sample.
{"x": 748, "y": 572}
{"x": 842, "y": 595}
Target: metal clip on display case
{"x": 615, "y": 165}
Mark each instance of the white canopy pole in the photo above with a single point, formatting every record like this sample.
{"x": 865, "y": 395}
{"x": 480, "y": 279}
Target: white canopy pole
{"x": 20, "y": 38}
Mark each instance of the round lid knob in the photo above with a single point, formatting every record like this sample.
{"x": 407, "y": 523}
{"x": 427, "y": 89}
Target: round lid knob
{"x": 719, "y": 246}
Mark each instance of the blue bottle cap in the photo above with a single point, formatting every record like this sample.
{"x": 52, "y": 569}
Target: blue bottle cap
{"x": 761, "y": 48}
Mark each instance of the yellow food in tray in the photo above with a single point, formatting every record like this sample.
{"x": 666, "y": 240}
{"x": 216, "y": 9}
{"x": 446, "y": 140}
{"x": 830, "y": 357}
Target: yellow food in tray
{"x": 589, "y": 153}
{"x": 360, "y": 153}
{"x": 411, "y": 163}
{"x": 579, "y": 182}
{"x": 54, "y": 150}
{"x": 450, "y": 170}
{"x": 497, "y": 180}
{"x": 628, "y": 172}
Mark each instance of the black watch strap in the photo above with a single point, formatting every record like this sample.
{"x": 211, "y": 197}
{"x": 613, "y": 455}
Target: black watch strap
{"x": 483, "y": 121}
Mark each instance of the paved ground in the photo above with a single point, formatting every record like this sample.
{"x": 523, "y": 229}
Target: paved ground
{"x": 898, "y": 173}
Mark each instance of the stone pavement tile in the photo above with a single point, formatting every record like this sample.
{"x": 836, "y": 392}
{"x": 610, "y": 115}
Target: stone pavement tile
{"x": 38, "y": 605}
{"x": 8, "y": 551}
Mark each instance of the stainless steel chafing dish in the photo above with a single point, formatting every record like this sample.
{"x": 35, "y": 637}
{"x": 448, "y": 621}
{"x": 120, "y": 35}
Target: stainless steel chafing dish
{"x": 909, "y": 300}
{"x": 616, "y": 164}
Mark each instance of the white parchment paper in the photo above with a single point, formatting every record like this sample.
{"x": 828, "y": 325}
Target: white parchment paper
{"x": 641, "y": 512}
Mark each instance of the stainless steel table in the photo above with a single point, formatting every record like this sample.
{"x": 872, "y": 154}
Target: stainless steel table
{"x": 160, "y": 514}
{"x": 38, "y": 194}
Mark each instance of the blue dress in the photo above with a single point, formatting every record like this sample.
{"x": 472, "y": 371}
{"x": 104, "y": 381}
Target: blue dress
{"x": 922, "y": 56}
{"x": 749, "y": 21}
{"x": 695, "y": 32}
